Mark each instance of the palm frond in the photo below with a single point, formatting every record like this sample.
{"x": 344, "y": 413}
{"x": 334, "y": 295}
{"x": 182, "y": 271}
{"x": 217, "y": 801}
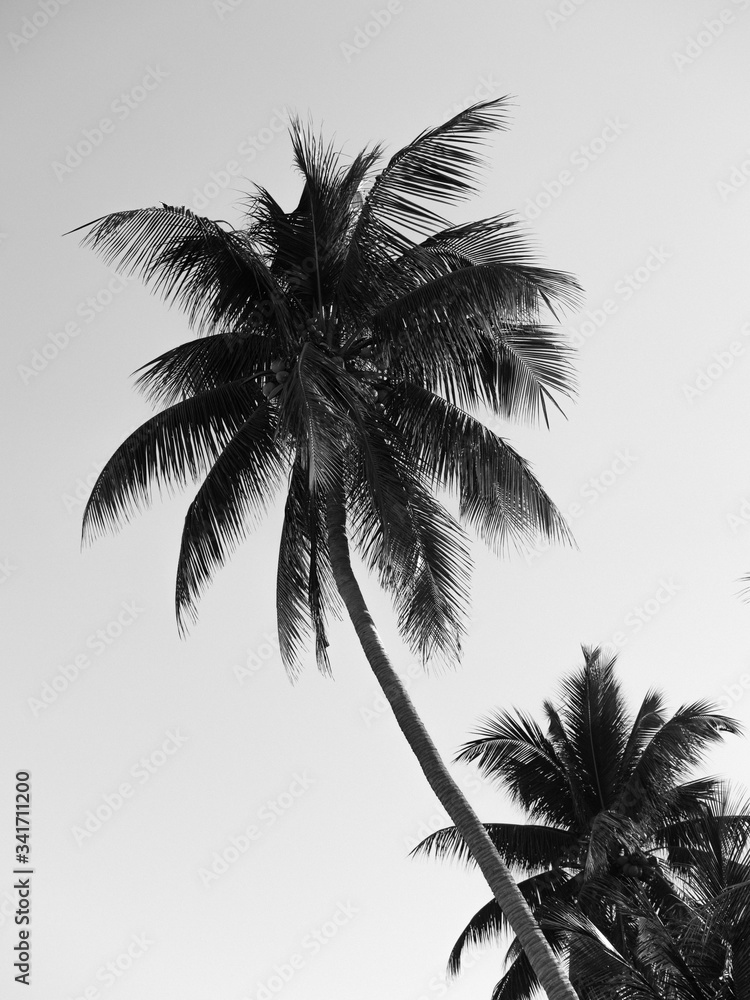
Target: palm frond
{"x": 596, "y": 721}
{"x": 236, "y": 491}
{"x": 440, "y": 165}
{"x": 499, "y": 495}
{"x": 474, "y": 336}
{"x": 305, "y": 589}
{"x": 217, "y": 277}
{"x": 177, "y": 444}
{"x": 515, "y": 754}
{"x": 417, "y": 548}
{"x": 679, "y": 745}
{"x": 489, "y": 922}
{"x": 207, "y": 363}
{"x": 525, "y": 846}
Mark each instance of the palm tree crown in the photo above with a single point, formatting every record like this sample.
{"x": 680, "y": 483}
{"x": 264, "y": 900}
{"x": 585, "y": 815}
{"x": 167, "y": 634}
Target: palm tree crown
{"x": 342, "y": 347}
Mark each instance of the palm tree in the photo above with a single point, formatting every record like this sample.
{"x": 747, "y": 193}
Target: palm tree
{"x": 697, "y": 950}
{"x": 345, "y": 347}
{"x": 602, "y": 792}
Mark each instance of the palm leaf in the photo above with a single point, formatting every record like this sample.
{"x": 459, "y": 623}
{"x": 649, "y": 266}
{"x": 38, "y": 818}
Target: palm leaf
{"x": 206, "y": 363}
{"x": 525, "y": 846}
{"x": 499, "y": 495}
{"x": 236, "y": 492}
{"x": 178, "y": 443}
{"x": 217, "y": 277}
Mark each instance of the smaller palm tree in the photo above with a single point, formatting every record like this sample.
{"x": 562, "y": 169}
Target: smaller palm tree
{"x": 601, "y": 790}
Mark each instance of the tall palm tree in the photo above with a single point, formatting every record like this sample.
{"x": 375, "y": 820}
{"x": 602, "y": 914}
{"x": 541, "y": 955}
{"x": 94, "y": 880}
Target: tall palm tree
{"x": 346, "y": 347}
{"x": 602, "y": 791}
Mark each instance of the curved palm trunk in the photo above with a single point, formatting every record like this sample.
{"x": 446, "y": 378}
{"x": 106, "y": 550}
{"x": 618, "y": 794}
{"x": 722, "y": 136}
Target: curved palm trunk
{"x": 551, "y": 976}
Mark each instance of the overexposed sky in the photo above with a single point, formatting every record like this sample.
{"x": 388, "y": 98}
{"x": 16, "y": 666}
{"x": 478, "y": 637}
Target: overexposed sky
{"x": 629, "y": 157}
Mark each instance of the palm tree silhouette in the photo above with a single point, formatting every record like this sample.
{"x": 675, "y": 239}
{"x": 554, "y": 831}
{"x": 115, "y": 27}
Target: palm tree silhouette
{"x": 603, "y": 792}
{"x": 343, "y": 346}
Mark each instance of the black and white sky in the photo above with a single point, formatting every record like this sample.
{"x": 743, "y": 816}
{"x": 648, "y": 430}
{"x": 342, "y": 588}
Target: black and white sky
{"x": 253, "y": 835}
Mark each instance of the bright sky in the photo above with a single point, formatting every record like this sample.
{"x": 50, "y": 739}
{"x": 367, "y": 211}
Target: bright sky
{"x": 629, "y": 155}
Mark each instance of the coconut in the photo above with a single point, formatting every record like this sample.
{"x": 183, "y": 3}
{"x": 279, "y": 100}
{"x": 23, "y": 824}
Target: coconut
{"x": 277, "y": 364}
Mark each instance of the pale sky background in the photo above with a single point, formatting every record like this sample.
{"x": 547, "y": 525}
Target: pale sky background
{"x": 629, "y": 153}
